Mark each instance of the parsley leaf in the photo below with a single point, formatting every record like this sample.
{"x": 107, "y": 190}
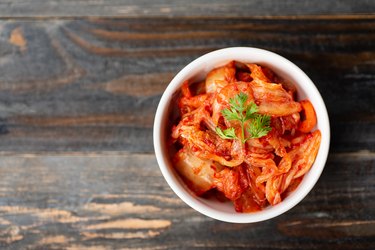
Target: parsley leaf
{"x": 230, "y": 114}
{"x": 258, "y": 125}
{"x": 226, "y": 134}
{"x": 250, "y": 111}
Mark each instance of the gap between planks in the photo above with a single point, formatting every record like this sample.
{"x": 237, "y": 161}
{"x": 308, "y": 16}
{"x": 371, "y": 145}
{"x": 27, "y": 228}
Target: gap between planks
{"x": 364, "y": 16}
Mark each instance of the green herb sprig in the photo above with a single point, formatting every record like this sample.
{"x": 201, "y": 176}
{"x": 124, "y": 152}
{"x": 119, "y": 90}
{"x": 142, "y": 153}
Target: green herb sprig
{"x": 258, "y": 125}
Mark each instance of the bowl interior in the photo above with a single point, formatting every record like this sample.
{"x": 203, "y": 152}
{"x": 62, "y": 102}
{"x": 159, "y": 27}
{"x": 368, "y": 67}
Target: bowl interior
{"x": 197, "y": 70}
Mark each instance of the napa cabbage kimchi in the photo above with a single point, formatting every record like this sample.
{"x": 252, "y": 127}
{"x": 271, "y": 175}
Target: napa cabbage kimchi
{"x": 253, "y": 170}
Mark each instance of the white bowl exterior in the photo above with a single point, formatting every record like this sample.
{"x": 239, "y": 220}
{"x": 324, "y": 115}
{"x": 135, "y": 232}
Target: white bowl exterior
{"x": 197, "y": 70}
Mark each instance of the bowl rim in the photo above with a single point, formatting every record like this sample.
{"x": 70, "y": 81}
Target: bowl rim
{"x": 262, "y": 57}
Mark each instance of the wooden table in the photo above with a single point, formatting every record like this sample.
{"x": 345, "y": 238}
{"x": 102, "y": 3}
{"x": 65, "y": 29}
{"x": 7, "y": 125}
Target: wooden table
{"x": 79, "y": 85}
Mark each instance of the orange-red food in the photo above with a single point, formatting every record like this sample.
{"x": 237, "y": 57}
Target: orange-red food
{"x": 309, "y": 123}
{"x": 255, "y": 173}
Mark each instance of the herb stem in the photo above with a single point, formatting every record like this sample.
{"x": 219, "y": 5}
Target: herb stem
{"x": 259, "y": 124}
{"x": 243, "y": 132}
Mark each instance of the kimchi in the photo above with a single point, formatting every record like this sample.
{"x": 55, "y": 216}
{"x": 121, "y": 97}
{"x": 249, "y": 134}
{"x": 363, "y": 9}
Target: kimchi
{"x": 241, "y": 133}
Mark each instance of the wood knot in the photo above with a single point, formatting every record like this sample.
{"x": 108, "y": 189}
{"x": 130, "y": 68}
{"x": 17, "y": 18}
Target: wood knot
{"x": 17, "y": 38}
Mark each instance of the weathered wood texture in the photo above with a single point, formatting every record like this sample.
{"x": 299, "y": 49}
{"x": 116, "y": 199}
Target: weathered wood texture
{"x": 117, "y": 201}
{"x": 178, "y": 8}
{"x": 77, "y": 102}
{"x": 68, "y": 85}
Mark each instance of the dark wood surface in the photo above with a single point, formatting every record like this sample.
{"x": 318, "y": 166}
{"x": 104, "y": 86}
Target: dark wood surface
{"x": 181, "y": 8}
{"x": 77, "y": 102}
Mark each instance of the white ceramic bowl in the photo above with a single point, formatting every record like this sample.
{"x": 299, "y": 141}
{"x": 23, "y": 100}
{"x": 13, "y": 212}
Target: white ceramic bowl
{"x": 197, "y": 70}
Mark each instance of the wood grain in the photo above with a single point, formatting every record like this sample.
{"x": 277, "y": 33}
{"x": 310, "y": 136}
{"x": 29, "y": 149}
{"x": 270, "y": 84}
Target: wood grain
{"x": 94, "y": 84}
{"x": 120, "y": 201}
{"x": 77, "y": 103}
{"x": 179, "y": 8}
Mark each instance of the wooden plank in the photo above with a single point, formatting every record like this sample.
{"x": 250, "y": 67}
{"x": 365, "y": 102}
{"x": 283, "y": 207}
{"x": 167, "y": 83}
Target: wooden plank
{"x": 179, "y": 8}
{"x": 115, "y": 200}
{"x": 94, "y": 84}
